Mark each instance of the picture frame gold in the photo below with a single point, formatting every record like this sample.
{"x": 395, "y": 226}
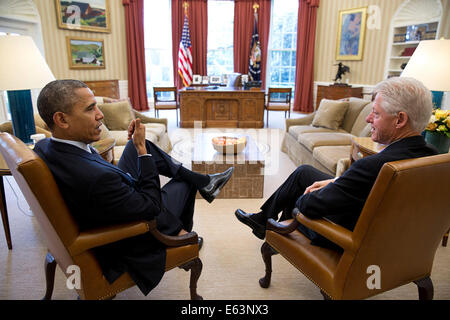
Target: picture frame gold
{"x": 83, "y": 15}
{"x": 351, "y": 34}
{"x": 84, "y": 53}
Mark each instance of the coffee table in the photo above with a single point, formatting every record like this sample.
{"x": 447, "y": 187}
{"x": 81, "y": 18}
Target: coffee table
{"x": 247, "y": 180}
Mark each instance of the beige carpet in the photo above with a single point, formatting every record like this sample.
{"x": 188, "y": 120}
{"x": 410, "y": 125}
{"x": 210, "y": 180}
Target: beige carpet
{"x": 231, "y": 256}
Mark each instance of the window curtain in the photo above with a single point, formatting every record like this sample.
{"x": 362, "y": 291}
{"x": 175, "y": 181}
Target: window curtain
{"x": 243, "y": 29}
{"x": 306, "y": 35}
{"x": 198, "y": 30}
{"x": 134, "y": 28}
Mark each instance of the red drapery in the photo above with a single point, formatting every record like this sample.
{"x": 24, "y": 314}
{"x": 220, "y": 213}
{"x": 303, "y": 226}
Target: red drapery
{"x": 243, "y": 28}
{"x": 198, "y": 28}
{"x": 306, "y": 34}
{"x": 134, "y": 27}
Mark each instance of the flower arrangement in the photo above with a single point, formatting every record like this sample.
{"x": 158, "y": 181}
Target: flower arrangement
{"x": 439, "y": 122}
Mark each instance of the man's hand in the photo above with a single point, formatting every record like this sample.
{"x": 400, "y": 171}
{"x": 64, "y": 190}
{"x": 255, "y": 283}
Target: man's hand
{"x": 136, "y": 131}
{"x": 318, "y": 185}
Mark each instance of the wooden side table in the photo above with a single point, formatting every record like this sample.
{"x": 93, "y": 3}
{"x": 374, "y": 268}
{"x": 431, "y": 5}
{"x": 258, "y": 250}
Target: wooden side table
{"x": 363, "y": 147}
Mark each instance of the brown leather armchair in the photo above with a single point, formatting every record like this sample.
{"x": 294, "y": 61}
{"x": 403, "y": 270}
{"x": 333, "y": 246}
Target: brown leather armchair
{"x": 395, "y": 238}
{"x": 67, "y": 245}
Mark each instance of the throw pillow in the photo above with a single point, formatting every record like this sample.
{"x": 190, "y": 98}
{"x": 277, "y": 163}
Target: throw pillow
{"x": 117, "y": 115}
{"x": 330, "y": 114}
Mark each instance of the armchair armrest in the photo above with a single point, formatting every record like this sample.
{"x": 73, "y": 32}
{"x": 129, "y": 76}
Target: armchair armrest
{"x": 333, "y": 232}
{"x": 281, "y": 227}
{"x": 146, "y": 119}
{"x": 100, "y": 236}
{"x": 306, "y": 120}
{"x": 172, "y": 241}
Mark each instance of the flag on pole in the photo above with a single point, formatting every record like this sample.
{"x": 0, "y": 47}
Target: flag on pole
{"x": 254, "y": 67}
{"x": 185, "y": 55}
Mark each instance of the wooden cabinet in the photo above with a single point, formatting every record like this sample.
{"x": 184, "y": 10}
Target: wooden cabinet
{"x": 104, "y": 88}
{"x": 222, "y": 107}
{"x": 335, "y": 92}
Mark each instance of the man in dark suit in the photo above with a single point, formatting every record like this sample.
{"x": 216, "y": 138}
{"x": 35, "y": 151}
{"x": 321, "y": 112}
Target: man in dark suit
{"x": 99, "y": 193}
{"x": 401, "y": 110}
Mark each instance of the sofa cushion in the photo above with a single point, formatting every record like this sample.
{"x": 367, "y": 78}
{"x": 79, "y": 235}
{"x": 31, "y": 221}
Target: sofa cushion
{"x": 105, "y": 132}
{"x": 117, "y": 115}
{"x": 121, "y": 136}
{"x": 329, "y": 156}
{"x": 313, "y": 140}
{"x": 354, "y": 109}
{"x": 360, "y": 125}
{"x": 157, "y": 128}
{"x": 295, "y": 131}
{"x": 330, "y": 114}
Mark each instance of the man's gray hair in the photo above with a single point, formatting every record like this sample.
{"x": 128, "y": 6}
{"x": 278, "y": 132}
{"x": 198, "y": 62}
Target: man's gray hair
{"x": 58, "y": 95}
{"x": 408, "y": 95}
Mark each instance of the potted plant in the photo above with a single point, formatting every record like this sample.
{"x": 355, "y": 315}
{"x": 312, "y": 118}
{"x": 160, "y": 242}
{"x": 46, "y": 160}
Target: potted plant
{"x": 437, "y": 131}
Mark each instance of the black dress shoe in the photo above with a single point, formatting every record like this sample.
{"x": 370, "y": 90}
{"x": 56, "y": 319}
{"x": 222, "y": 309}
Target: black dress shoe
{"x": 248, "y": 219}
{"x": 216, "y": 183}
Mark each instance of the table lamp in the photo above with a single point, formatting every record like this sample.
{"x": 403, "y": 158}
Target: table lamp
{"x": 22, "y": 68}
{"x": 430, "y": 64}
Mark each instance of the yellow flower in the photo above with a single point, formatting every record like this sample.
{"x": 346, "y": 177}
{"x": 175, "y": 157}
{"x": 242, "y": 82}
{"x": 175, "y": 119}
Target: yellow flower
{"x": 441, "y": 114}
{"x": 431, "y": 126}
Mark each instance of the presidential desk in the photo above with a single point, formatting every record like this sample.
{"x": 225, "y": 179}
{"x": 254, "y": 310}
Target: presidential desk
{"x": 222, "y": 107}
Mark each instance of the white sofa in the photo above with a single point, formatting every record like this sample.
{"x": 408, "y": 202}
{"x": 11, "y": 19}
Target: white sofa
{"x": 323, "y": 139}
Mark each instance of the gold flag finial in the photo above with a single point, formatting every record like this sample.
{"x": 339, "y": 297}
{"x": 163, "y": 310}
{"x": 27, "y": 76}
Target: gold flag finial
{"x": 185, "y": 5}
{"x": 256, "y": 7}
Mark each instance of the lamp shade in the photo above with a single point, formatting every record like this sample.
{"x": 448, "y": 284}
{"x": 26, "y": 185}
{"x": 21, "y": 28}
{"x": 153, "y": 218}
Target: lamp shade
{"x": 430, "y": 64}
{"x": 22, "y": 65}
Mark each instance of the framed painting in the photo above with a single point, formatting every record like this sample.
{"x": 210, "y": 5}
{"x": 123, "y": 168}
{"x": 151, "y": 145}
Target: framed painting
{"x": 83, "y": 15}
{"x": 351, "y": 32}
{"x": 85, "y": 53}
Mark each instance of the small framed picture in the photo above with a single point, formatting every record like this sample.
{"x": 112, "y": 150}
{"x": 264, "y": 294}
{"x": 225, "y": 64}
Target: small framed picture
{"x": 205, "y": 80}
{"x": 83, "y": 15}
{"x": 215, "y": 79}
{"x": 197, "y": 79}
{"x": 85, "y": 53}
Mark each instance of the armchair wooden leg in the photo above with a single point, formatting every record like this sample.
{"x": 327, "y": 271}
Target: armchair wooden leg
{"x": 50, "y": 267}
{"x": 4, "y": 212}
{"x": 195, "y": 266}
{"x": 445, "y": 238}
{"x": 267, "y": 252}
{"x": 426, "y": 290}
{"x": 325, "y": 296}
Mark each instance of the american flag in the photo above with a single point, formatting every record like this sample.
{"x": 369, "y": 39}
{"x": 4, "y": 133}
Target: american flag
{"x": 185, "y": 55}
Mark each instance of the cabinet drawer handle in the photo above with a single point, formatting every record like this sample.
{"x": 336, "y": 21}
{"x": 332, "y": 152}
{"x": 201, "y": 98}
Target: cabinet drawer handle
{"x": 359, "y": 155}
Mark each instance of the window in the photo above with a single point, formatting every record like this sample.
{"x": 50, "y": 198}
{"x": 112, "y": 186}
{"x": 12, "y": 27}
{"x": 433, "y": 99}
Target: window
{"x": 220, "y": 37}
{"x": 282, "y": 44}
{"x": 158, "y": 45}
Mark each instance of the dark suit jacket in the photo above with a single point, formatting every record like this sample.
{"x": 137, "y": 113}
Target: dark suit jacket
{"x": 343, "y": 200}
{"x": 98, "y": 193}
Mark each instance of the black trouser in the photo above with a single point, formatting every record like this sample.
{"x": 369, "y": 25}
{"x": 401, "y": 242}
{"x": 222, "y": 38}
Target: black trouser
{"x": 177, "y": 196}
{"x": 284, "y": 198}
